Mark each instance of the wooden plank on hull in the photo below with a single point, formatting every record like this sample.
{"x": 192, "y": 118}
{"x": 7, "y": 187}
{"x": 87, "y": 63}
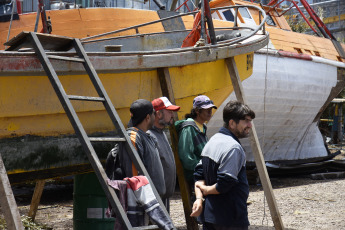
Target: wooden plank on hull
{"x": 256, "y": 149}
{"x": 173, "y": 24}
{"x": 49, "y": 42}
{"x": 51, "y": 173}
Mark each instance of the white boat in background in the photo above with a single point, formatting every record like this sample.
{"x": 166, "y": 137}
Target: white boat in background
{"x": 294, "y": 79}
{"x": 288, "y": 98}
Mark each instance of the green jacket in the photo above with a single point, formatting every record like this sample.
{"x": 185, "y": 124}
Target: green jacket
{"x": 190, "y": 145}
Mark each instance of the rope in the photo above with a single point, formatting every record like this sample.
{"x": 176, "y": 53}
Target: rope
{"x": 263, "y": 133}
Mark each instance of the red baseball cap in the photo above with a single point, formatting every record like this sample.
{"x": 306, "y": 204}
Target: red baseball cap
{"x": 164, "y": 103}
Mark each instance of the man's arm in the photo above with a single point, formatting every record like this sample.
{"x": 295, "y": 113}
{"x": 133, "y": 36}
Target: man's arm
{"x": 197, "y": 205}
{"x": 199, "y": 178}
{"x": 186, "y": 149}
{"x": 207, "y": 190}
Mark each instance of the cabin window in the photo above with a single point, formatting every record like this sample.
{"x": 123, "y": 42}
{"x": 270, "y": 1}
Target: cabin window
{"x": 317, "y": 53}
{"x": 270, "y": 21}
{"x": 308, "y": 51}
{"x": 228, "y": 15}
{"x": 244, "y": 12}
{"x": 298, "y": 50}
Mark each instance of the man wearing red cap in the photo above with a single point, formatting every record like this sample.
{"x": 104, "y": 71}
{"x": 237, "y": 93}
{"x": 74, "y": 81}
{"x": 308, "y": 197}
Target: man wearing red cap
{"x": 164, "y": 117}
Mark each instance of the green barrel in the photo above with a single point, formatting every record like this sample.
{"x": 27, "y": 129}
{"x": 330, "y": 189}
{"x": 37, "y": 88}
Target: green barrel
{"x": 90, "y": 204}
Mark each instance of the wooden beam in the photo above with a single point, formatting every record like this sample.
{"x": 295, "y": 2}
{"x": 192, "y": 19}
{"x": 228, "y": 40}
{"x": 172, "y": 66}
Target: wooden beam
{"x": 7, "y": 201}
{"x": 167, "y": 91}
{"x": 36, "y": 197}
{"x": 166, "y": 87}
{"x": 254, "y": 141}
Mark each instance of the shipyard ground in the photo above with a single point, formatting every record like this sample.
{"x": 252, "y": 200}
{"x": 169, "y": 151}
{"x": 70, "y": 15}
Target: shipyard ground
{"x": 303, "y": 204}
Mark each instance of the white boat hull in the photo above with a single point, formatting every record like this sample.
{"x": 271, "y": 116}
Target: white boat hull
{"x": 287, "y": 94}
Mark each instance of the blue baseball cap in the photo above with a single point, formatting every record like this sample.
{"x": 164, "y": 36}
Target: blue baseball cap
{"x": 203, "y": 102}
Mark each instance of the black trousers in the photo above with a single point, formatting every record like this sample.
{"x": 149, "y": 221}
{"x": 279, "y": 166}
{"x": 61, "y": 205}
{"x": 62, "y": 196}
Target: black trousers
{"x": 210, "y": 226}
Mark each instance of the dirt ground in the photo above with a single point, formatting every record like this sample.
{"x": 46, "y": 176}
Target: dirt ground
{"x": 302, "y": 202}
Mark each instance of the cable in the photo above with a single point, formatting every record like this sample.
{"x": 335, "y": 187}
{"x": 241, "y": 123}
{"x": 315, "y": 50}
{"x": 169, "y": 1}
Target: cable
{"x": 263, "y": 133}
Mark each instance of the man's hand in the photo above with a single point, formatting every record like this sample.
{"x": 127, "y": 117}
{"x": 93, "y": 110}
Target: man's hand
{"x": 197, "y": 208}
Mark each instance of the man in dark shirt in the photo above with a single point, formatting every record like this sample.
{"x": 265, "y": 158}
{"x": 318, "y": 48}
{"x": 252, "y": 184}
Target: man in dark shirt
{"x": 142, "y": 119}
{"x": 163, "y": 118}
{"x": 220, "y": 176}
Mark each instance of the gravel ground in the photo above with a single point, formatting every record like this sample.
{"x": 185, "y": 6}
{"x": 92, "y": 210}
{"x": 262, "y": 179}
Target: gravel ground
{"x": 302, "y": 202}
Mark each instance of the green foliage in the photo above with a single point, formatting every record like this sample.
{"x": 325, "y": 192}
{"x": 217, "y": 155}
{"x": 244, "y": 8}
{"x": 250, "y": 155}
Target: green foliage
{"x": 28, "y": 224}
{"x": 297, "y": 24}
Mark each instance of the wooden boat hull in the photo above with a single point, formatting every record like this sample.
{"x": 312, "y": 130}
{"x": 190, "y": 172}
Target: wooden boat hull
{"x": 35, "y": 133}
{"x": 133, "y": 77}
{"x": 36, "y": 138}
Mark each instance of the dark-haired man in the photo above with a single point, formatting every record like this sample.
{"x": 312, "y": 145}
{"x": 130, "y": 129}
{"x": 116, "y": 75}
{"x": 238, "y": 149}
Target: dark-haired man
{"x": 221, "y": 180}
{"x": 192, "y": 135}
{"x": 142, "y": 119}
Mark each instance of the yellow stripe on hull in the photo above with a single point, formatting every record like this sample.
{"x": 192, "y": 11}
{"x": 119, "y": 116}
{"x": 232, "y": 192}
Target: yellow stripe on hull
{"x": 33, "y": 108}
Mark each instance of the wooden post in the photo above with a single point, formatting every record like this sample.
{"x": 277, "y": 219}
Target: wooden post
{"x": 254, "y": 141}
{"x": 36, "y": 197}
{"x": 167, "y": 91}
{"x": 7, "y": 201}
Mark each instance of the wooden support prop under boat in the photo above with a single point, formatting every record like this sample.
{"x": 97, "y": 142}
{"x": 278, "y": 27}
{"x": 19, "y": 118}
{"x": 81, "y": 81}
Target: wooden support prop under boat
{"x": 255, "y": 144}
{"x": 7, "y": 201}
{"x": 167, "y": 91}
{"x": 36, "y": 197}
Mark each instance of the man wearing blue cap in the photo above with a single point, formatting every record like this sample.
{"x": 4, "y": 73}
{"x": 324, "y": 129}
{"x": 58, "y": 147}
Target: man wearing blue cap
{"x": 192, "y": 135}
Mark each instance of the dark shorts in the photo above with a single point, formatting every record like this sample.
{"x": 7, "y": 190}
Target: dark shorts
{"x": 210, "y": 226}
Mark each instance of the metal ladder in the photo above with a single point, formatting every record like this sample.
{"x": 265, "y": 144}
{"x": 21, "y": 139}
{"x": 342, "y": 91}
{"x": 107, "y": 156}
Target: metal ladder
{"x": 36, "y": 40}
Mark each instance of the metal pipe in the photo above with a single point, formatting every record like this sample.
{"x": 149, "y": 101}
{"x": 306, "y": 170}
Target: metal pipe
{"x": 173, "y": 5}
{"x": 235, "y": 17}
{"x": 202, "y": 21}
{"x": 321, "y": 3}
{"x": 9, "y": 29}
{"x": 159, "y": 4}
{"x": 210, "y": 22}
{"x": 181, "y": 15}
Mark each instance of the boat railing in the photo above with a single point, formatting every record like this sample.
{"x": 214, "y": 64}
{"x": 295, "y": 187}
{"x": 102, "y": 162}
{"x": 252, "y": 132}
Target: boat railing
{"x": 227, "y": 42}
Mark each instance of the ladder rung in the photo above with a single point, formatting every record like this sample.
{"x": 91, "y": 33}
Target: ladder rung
{"x": 64, "y": 58}
{"x": 105, "y": 139}
{"x": 85, "y": 98}
{"x": 146, "y": 227}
